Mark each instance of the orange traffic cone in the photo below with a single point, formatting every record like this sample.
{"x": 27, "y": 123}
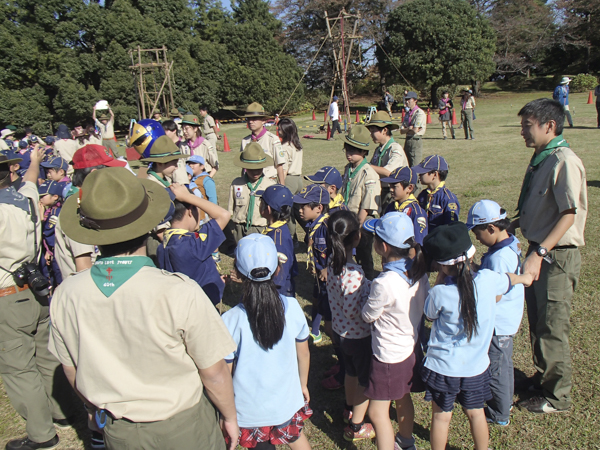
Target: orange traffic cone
{"x": 217, "y": 128}
{"x": 314, "y": 116}
{"x": 225, "y": 143}
{"x": 357, "y": 118}
{"x": 590, "y": 99}
{"x": 328, "y": 131}
{"x": 325, "y": 116}
{"x": 428, "y": 116}
{"x": 403, "y": 114}
{"x": 454, "y": 121}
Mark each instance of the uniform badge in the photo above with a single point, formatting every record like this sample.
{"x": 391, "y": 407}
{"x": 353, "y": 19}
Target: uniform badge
{"x": 407, "y": 210}
{"x": 452, "y": 206}
{"x": 422, "y": 221}
{"x": 238, "y": 191}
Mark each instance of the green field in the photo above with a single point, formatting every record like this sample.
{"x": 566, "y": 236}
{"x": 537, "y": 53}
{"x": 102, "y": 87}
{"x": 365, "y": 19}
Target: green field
{"x": 491, "y": 166}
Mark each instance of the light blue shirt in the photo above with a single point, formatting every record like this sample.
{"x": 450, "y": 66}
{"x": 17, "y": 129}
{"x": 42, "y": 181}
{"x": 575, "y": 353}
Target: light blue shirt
{"x": 209, "y": 187}
{"x": 503, "y": 258}
{"x": 266, "y": 383}
{"x": 449, "y": 353}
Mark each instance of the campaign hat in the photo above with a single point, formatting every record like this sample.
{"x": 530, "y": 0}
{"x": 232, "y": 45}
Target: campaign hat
{"x": 381, "y": 119}
{"x": 163, "y": 150}
{"x": 359, "y": 137}
{"x": 255, "y": 110}
{"x": 253, "y": 157}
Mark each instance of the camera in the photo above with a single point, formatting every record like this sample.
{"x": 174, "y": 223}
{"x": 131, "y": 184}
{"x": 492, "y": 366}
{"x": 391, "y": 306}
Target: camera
{"x": 29, "y": 274}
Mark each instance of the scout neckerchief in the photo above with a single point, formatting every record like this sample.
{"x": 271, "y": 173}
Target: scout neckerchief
{"x": 311, "y": 241}
{"x": 274, "y": 226}
{"x": 351, "y": 175}
{"x": 430, "y": 193}
{"x": 400, "y": 206}
{"x": 109, "y": 274}
{"x": 253, "y": 189}
{"x": 336, "y": 202}
{"x": 159, "y": 178}
{"x": 445, "y": 108}
{"x": 384, "y": 150}
{"x": 536, "y": 161}
{"x": 400, "y": 266}
{"x": 197, "y": 143}
{"x": 180, "y": 232}
{"x": 259, "y": 135}
{"x": 412, "y": 114}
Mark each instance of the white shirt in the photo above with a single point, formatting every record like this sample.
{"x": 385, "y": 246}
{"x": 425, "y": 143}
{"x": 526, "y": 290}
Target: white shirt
{"x": 334, "y": 111}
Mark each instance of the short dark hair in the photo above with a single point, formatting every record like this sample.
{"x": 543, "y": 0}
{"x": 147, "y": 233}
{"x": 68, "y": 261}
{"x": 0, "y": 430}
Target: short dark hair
{"x": 4, "y": 177}
{"x": 79, "y": 175}
{"x": 121, "y": 248}
{"x": 203, "y": 108}
{"x": 181, "y": 208}
{"x": 170, "y": 125}
{"x": 313, "y": 205}
{"x": 27, "y": 130}
{"x": 442, "y": 174}
{"x": 284, "y": 214}
{"x": 543, "y": 110}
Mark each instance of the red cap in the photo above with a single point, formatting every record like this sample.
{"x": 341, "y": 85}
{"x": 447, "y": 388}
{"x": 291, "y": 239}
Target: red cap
{"x": 95, "y": 155}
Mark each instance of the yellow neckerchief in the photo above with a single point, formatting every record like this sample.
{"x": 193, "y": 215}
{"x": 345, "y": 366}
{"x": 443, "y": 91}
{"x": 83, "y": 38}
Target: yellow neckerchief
{"x": 310, "y": 263}
{"x": 274, "y": 226}
{"x": 179, "y": 232}
{"x": 336, "y": 202}
{"x": 430, "y": 193}
{"x": 400, "y": 206}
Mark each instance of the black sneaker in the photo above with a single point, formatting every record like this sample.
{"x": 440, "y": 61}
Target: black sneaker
{"x": 539, "y": 405}
{"x": 27, "y": 444}
{"x": 97, "y": 440}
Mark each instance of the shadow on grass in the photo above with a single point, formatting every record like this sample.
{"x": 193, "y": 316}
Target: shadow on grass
{"x": 594, "y": 183}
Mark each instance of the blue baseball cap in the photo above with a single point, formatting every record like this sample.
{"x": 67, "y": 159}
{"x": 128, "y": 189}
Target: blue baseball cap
{"x": 484, "y": 211}
{"x": 431, "y": 163}
{"x": 52, "y": 188}
{"x": 327, "y": 175}
{"x": 312, "y": 193}
{"x": 402, "y": 174}
{"x": 256, "y": 251}
{"x": 196, "y": 159}
{"x": 395, "y": 228}
{"x": 276, "y": 196}
{"x": 335, "y": 98}
{"x": 56, "y": 163}
{"x": 23, "y": 144}
{"x": 49, "y": 140}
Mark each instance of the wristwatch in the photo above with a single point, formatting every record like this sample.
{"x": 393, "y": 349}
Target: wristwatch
{"x": 542, "y": 251}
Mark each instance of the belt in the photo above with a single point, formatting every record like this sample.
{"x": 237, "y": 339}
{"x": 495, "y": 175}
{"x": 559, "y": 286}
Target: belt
{"x": 5, "y": 292}
{"x": 556, "y": 247}
{"x": 416, "y": 137}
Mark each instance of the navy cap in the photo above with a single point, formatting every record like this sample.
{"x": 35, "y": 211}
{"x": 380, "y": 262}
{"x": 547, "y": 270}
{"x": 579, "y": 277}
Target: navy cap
{"x": 22, "y": 144}
{"x": 431, "y": 163}
{"x": 276, "y": 196}
{"x": 49, "y": 140}
{"x": 411, "y": 94}
{"x": 312, "y": 193}
{"x": 335, "y": 98}
{"x": 327, "y": 175}
{"x": 52, "y": 188}
{"x": 56, "y": 163}
{"x": 402, "y": 174}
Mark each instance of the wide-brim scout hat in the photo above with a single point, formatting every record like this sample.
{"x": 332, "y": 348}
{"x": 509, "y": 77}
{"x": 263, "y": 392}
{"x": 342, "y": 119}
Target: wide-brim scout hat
{"x": 103, "y": 117}
{"x": 191, "y": 119}
{"x": 255, "y": 110}
{"x": 163, "y": 150}
{"x": 10, "y": 158}
{"x": 381, "y": 119}
{"x": 253, "y": 157}
{"x": 174, "y": 113}
{"x": 6, "y": 132}
{"x": 449, "y": 244}
{"x": 359, "y": 137}
{"x": 113, "y": 206}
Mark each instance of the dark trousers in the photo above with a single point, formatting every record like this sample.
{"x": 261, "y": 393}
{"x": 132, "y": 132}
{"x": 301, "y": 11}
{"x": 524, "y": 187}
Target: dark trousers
{"x": 598, "y": 112}
{"x": 502, "y": 383}
{"x": 467, "y": 122}
{"x": 364, "y": 254}
{"x": 335, "y": 125}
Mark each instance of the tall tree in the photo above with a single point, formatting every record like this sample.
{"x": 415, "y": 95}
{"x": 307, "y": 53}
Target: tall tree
{"x": 438, "y": 42}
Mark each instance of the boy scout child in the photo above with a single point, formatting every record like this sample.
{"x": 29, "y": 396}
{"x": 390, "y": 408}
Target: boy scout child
{"x": 413, "y": 127}
{"x": 243, "y": 204}
{"x": 201, "y": 181}
{"x": 552, "y": 214}
{"x": 440, "y": 203}
{"x": 331, "y": 180}
{"x": 256, "y": 118}
{"x": 143, "y": 369}
{"x": 196, "y": 144}
{"x": 208, "y": 127}
{"x": 32, "y": 377}
{"x": 403, "y": 182}
{"x": 164, "y": 156}
{"x": 388, "y": 155}
{"x": 51, "y": 193}
{"x": 56, "y": 169}
{"x": 361, "y": 190}
{"x": 188, "y": 249}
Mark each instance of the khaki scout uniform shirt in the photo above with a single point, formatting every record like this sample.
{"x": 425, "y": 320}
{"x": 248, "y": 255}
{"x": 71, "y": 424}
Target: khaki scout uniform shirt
{"x": 394, "y": 158}
{"x": 66, "y": 148}
{"x": 293, "y": 164}
{"x": 365, "y": 189}
{"x": 419, "y": 120}
{"x": 17, "y": 230}
{"x": 558, "y": 184}
{"x": 66, "y": 250}
{"x": 239, "y": 199}
{"x": 106, "y": 131}
{"x": 141, "y": 360}
{"x": 208, "y": 126}
{"x": 272, "y": 147}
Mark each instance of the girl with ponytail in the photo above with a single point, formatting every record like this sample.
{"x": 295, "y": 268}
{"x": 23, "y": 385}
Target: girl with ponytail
{"x": 462, "y": 309}
{"x": 270, "y": 365}
{"x": 347, "y": 290}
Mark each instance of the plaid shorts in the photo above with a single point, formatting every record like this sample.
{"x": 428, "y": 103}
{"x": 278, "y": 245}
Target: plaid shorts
{"x": 278, "y": 435}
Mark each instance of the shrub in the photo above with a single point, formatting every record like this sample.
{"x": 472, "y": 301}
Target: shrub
{"x": 583, "y": 82}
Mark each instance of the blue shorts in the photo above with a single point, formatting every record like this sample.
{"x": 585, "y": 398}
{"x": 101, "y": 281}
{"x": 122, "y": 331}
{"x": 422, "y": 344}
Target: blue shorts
{"x": 470, "y": 392}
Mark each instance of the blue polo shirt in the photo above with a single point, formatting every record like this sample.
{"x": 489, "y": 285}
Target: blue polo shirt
{"x": 191, "y": 254}
{"x": 209, "y": 186}
{"x": 449, "y": 353}
{"x": 441, "y": 205}
{"x": 504, "y": 257}
{"x": 285, "y": 244}
{"x": 417, "y": 214}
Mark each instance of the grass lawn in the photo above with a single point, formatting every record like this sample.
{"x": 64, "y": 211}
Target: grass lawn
{"x": 491, "y": 166}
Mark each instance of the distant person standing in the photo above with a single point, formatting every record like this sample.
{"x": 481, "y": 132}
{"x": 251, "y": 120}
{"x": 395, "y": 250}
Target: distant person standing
{"x": 208, "y": 127}
{"x": 597, "y": 94}
{"x": 446, "y": 106}
{"x": 334, "y": 115}
{"x": 466, "y": 115}
{"x": 106, "y": 125}
{"x": 561, "y": 95}
{"x": 388, "y": 99}
{"x": 414, "y": 128}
